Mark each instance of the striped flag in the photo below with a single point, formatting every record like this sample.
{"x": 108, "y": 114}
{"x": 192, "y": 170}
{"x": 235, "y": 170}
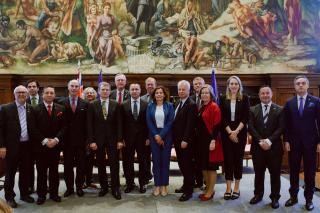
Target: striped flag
{"x": 214, "y": 84}
{"x": 79, "y": 78}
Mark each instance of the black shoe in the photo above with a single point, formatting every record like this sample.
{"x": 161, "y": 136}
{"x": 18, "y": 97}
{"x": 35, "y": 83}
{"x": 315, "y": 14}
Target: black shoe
{"x": 227, "y": 195}
{"x": 103, "y": 192}
{"x": 180, "y": 190}
{"x": 27, "y": 199}
{"x": 12, "y": 203}
{"x": 68, "y": 193}
{"x": 185, "y": 197}
{"x": 291, "y": 201}
{"x": 142, "y": 189}
{"x": 56, "y": 198}
{"x": 129, "y": 188}
{"x": 116, "y": 194}
{"x": 41, "y": 200}
{"x": 256, "y": 199}
{"x": 80, "y": 192}
{"x": 235, "y": 195}
{"x": 309, "y": 206}
{"x": 274, "y": 203}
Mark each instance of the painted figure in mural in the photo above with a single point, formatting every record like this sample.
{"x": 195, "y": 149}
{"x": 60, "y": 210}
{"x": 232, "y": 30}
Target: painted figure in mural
{"x": 48, "y": 7}
{"x": 190, "y": 19}
{"x": 91, "y": 21}
{"x": 142, "y": 10}
{"x": 117, "y": 42}
{"x": 218, "y": 51}
{"x": 276, "y": 7}
{"x": 101, "y": 40}
{"x": 294, "y": 14}
{"x": 32, "y": 34}
{"x": 28, "y": 10}
{"x": 192, "y": 53}
{"x": 218, "y": 7}
{"x": 6, "y": 39}
{"x": 164, "y": 10}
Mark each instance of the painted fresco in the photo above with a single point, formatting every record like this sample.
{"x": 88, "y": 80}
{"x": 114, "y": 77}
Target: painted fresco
{"x": 170, "y": 36}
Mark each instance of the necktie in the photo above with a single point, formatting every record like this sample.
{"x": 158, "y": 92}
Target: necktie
{"x": 301, "y": 106}
{"x": 119, "y": 97}
{"x": 73, "y": 105}
{"x": 49, "y": 110}
{"x": 179, "y": 108}
{"x": 135, "y": 110}
{"x": 23, "y": 121}
{"x": 266, "y": 114}
{"x": 198, "y": 102}
{"x": 104, "y": 110}
{"x": 33, "y": 101}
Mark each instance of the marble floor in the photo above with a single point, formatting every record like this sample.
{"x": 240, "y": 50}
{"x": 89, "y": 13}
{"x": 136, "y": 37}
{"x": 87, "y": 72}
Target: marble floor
{"x": 136, "y": 202}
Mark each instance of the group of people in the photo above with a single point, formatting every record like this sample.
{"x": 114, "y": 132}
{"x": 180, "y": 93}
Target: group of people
{"x": 121, "y": 122}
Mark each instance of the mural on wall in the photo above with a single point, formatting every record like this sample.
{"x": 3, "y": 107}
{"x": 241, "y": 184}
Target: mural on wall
{"x": 173, "y": 36}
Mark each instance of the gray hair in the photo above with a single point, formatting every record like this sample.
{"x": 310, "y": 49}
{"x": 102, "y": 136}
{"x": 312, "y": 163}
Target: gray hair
{"x": 72, "y": 81}
{"x": 88, "y": 89}
{"x": 184, "y": 82}
{"x": 301, "y": 76}
{"x": 20, "y": 87}
{"x": 120, "y": 75}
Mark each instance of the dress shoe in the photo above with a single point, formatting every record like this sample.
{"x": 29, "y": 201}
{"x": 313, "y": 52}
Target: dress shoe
{"x": 68, "y": 193}
{"x": 27, "y": 199}
{"x": 103, "y": 192}
{"x": 309, "y": 206}
{"x": 116, "y": 194}
{"x": 185, "y": 197}
{"x": 274, "y": 203}
{"x": 256, "y": 199}
{"x": 41, "y": 200}
{"x": 142, "y": 189}
{"x": 163, "y": 191}
{"x": 129, "y": 188}
{"x": 80, "y": 192}
{"x": 180, "y": 190}
{"x": 204, "y": 198}
{"x": 291, "y": 201}
{"x": 235, "y": 195}
{"x": 156, "y": 191}
{"x": 12, "y": 203}
{"x": 56, "y": 198}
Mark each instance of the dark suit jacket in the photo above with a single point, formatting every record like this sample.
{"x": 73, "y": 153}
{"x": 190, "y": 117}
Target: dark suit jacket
{"x": 76, "y": 132}
{"x": 113, "y": 95}
{"x": 49, "y": 126}
{"x": 131, "y": 126}
{"x": 184, "y": 122}
{"x": 241, "y": 114}
{"x": 39, "y": 102}
{"x": 303, "y": 130}
{"x": 10, "y": 129}
{"x": 166, "y": 131}
{"x": 101, "y": 131}
{"x": 272, "y": 131}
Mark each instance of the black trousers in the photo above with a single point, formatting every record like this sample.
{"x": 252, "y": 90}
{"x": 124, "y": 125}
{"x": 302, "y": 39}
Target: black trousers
{"x": 22, "y": 161}
{"x": 198, "y": 177}
{"x": 267, "y": 159}
{"x": 88, "y": 166}
{"x": 137, "y": 144}
{"x": 185, "y": 163}
{"x": 113, "y": 159}
{"x": 48, "y": 160}
{"x": 309, "y": 157}
{"x": 74, "y": 156}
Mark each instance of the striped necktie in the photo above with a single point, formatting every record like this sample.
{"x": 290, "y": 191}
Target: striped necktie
{"x": 266, "y": 114}
{"x": 23, "y": 122}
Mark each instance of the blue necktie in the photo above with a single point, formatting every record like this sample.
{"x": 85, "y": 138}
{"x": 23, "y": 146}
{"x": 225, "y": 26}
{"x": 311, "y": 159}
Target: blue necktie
{"x": 301, "y": 106}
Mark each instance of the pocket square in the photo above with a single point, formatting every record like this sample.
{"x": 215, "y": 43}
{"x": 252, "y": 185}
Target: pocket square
{"x": 311, "y": 104}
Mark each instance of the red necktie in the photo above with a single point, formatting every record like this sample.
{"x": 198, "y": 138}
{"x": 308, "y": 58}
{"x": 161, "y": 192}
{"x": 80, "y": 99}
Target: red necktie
{"x": 120, "y": 98}
{"x": 73, "y": 105}
{"x": 49, "y": 110}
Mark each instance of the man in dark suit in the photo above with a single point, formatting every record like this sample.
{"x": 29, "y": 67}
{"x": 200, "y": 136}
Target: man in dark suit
{"x": 104, "y": 134}
{"x": 120, "y": 94}
{"x": 135, "y": 134}
{"x": 15, "y": 132}
{"x": 150, "y": 85}
{"x": 197, "y": 84}
{"x": 302, "y": 122}
{"x": 183, "y": 133}
{"x": 50, "y": 126}
{"x": 34, "y": 99}
{"x": 266, "y": 127}
{"x": 74, "y": 148}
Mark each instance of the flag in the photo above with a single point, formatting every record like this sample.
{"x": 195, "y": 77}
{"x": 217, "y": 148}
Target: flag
{"x": 214, "y": 85}
{"x": 100, "y": 79}
{"x": 79, "y": 78}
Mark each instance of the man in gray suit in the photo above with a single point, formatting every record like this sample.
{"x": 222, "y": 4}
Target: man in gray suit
{"x": 266, "y": 127}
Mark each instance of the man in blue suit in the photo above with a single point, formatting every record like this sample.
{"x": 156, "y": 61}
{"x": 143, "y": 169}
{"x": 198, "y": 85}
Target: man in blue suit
{"x": 302, "y": 119}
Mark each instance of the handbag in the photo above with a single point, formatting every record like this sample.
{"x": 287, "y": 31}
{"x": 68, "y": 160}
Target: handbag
{"x": 216, "y": 155}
